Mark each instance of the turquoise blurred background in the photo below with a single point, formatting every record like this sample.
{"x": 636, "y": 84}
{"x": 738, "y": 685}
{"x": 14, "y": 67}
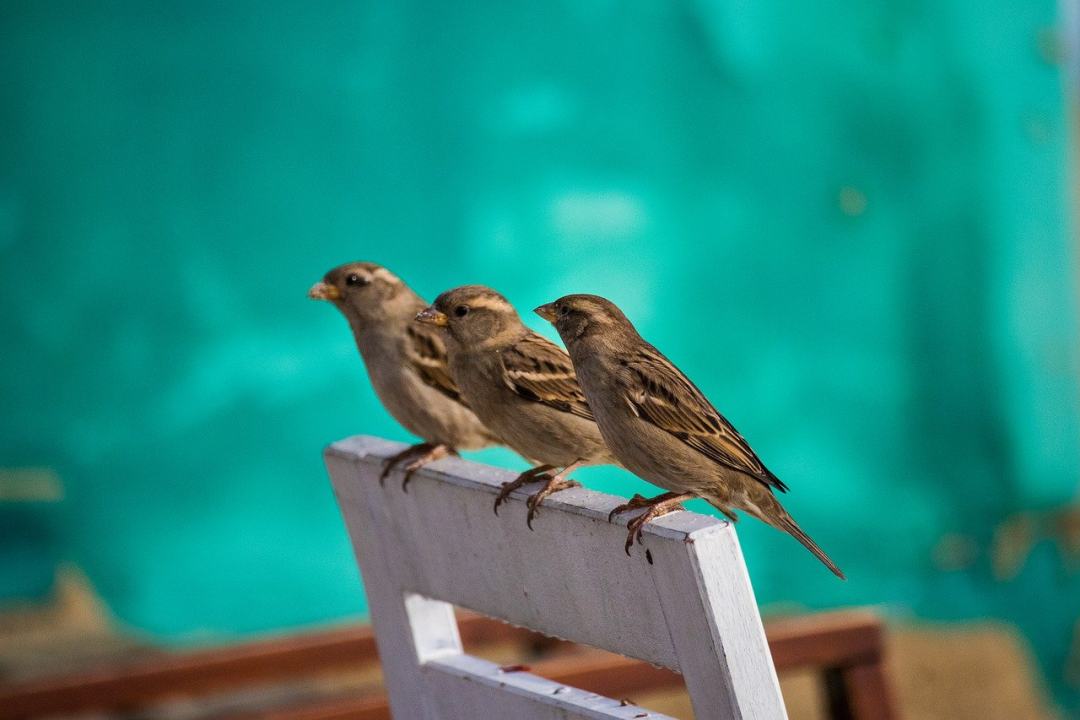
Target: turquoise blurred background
{"x": 849, "y": 222}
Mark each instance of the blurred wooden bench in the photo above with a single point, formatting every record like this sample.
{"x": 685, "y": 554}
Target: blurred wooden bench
{"x": 845, "y": 647}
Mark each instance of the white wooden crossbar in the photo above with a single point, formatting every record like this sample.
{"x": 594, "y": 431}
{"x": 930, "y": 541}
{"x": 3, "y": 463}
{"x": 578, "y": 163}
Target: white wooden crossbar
{"x": 682, "y": 600}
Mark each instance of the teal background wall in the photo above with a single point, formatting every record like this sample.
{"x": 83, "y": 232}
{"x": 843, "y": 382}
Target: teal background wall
{"x": 848, "y": 222}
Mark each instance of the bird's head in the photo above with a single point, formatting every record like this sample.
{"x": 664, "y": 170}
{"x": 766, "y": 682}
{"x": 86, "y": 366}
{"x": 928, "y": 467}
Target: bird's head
{"x": 578, "y": 316}
{"x": 363, "y": 291}
{"x": 473, "y": 315}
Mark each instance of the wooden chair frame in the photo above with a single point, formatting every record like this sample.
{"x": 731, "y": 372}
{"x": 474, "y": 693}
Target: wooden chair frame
{"x": 681, "y": 600}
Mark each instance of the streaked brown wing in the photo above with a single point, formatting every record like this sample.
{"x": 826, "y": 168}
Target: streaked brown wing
{"x": 539, "y": 370}
{"x": 659, "y": 393}
{"x": 427, "y": 355}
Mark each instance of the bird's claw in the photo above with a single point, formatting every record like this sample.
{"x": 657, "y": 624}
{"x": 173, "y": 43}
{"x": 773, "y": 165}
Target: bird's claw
{"x": 553, "y": 485}
{"x": 509, "y": 487}
{"x": 657, "y": 506}
{"x": 395, "y": 460}
{"x": 409, "y": 470}
{"x": 504, "y": 492}
{"x": 635, "y": 529}
{"x": 524, "y": 478}
{"x": 638, "y": 501}
{"x": 418, "y": 456}
{"x": 387, "y": 469}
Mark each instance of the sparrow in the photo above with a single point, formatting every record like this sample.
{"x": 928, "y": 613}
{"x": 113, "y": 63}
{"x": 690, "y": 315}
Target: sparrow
{"x": 521, "y": 385}
{"x": 661, "y": 427}
{"x": 406, "y": 362}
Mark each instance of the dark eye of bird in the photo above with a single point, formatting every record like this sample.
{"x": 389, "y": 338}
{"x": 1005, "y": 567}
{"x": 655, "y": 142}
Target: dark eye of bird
{"x": 355, "y": 279}
{"x": 461, "y": 310}
{"x": 561, "y": 309}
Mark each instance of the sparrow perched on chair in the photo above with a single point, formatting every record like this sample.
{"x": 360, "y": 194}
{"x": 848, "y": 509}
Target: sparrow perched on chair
{"x": 406, "y": 362}
{"x": 660, "y": 426}
{"x": 521, "y": 385}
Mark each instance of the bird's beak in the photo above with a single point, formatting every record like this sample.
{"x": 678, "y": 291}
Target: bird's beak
{"x": 323, "y": 291}
{"x": 546, "y": 311}
{"x": 431, "y": 316}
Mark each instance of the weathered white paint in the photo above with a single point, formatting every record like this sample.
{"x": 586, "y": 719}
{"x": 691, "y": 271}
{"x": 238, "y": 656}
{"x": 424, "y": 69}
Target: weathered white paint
{"x": 692, "y": 609}
{"x": 463, "y": 686}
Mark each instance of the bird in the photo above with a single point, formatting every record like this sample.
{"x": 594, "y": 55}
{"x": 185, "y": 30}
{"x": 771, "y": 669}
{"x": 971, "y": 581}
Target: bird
{"x": 521, "y": 385}
{"x": 661, "y": 427}
{"x": 406, "y": 363}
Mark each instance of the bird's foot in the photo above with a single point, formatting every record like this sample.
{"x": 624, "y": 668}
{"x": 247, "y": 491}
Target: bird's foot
{"x": 635, "y": 502}
{"x": 660, "y": 505}
{"x": 638, "y": 501}
{"x": 530, "y": 475}
{"x": 436, "y": 452}
{"x": 407, "y": 454}
{"x": 554, "y": 484}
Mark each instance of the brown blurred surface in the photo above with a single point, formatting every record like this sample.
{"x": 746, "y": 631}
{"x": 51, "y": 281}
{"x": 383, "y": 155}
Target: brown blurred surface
{"x": 979, "y": 671}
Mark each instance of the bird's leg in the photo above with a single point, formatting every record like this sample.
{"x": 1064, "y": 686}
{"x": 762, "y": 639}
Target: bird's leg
{"x": 554, "y": 484}
{"x": 402, "y": 456}
{"x": 523, "y": 479}
{"x": 436, "y": 452}
{"x": 659, "y": 505}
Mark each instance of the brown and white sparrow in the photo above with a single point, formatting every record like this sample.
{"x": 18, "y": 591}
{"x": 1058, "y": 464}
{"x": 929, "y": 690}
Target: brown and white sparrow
{"x": 406, "y": 362}
{"x": 660, "y": 426}
{"x": 521, "y": 385}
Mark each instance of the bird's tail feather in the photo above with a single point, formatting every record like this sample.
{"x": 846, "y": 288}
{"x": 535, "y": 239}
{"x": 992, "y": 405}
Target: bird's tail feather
{"x": 788, "y": 525}
{"x": 770, "y": 511}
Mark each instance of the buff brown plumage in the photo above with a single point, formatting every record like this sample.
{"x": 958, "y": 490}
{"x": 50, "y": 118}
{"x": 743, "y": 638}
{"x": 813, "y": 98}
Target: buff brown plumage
{"x": 521, "y": 385}
{"x": 660, "y": 426}
{"x": 406, "y": 362}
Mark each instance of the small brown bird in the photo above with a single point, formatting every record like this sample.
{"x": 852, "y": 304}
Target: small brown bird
{"x": 660, "y": 426}
{"x": 521, "y": 385}
{"x": 405, "y": 361}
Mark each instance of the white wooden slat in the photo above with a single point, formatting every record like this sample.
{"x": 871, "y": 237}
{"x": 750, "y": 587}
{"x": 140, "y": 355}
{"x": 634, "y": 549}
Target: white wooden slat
{"x": 569, "y": 579}
{"x": 404, "y": 645}
{"x": 467, "y": 688}
{"x": 723, "y": 652}
{"x": 691, "y": 609}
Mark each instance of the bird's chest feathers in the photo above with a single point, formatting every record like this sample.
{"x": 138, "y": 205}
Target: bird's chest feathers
{"x": 480, "y": 377}
{"x": 604, "y": 380}
{"x": 394, "y": 381}
{"x": 599, "y": 373}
